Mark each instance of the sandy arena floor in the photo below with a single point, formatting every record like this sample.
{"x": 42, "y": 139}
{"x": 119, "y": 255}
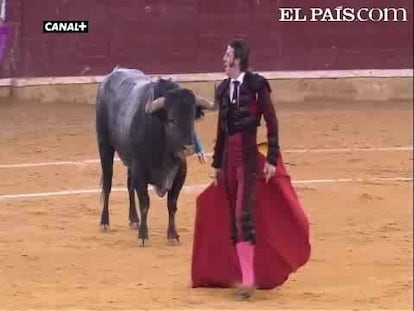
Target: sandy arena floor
{"x": 53, "y": 255}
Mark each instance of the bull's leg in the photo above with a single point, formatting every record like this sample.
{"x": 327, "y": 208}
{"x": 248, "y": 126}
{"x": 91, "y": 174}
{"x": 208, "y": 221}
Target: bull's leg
{"x": 141, "y": 187}
{"x": 133, "y": 216}
{"x": 144, "y": 207}
{"x": 106, "y": 153}
{"x": 173, "y": 195}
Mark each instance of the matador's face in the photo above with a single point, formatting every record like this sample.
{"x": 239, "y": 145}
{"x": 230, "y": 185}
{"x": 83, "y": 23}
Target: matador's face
{"x": 230, "y": 63}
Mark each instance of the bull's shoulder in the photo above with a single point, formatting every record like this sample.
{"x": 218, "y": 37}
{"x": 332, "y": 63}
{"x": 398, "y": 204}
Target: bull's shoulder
{"x": 127, "y": 75}
{"x": 122, "y": 82}
{"x": 130, "y": 72}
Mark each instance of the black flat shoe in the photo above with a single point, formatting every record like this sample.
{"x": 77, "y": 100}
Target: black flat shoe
{"x": 245, "y": 292}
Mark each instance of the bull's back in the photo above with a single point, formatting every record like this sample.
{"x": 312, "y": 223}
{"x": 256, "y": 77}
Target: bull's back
{"x": 121, "y": 103}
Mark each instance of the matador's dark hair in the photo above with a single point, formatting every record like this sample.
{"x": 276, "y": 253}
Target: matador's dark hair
{"x": 242, "y": 52}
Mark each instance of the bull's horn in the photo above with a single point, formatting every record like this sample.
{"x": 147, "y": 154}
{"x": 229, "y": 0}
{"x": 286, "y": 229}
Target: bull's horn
{"x": 155, "y": 105}
{"x": 204, "y": 103}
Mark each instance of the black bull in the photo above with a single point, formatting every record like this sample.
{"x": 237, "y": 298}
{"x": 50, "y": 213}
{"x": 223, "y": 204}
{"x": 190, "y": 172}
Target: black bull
{"x": 150, "y": 124}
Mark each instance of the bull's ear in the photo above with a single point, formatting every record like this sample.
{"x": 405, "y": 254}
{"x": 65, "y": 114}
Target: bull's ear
{"x": 155, "y": 105}
{"x": 204, "y": 103}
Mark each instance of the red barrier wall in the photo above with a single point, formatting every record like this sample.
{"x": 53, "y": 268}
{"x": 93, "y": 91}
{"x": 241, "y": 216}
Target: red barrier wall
{"x": 184, "y": 36}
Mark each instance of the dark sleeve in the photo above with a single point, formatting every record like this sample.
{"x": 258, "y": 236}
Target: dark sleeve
{"x": 269, "y": 114}
{"x": 219, "y": 145}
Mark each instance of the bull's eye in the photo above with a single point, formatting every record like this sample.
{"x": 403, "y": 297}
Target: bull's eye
{"x": 171, "y": 121}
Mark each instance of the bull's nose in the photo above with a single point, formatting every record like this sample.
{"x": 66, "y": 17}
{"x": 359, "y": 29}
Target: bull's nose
{"x": 188, "y": 150}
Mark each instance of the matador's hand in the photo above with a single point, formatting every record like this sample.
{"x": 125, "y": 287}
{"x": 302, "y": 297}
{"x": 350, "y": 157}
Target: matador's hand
{"x": 269, "y": 170}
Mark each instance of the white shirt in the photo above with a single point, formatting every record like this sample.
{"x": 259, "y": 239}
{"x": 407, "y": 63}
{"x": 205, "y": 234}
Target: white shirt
{"x": 240, "y": 79}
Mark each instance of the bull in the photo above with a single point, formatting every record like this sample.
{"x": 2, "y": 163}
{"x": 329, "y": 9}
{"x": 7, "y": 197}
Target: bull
{"x": 150, "y": 124}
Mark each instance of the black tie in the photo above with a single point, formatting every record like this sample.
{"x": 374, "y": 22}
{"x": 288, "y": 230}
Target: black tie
{"x": 235, "y": 93}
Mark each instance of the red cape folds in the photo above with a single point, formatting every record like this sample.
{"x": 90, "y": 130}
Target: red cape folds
{"x": 282, "y": 235}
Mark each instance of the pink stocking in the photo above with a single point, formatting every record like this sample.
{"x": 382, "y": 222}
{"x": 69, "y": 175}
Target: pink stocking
{"x": 245, "y": 252}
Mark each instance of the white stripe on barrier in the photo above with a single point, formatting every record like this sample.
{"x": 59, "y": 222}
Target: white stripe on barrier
{"x": 217, "y": 76}
{"x": 217, "y": 309}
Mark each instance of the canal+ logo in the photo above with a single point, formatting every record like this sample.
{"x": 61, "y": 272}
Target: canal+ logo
{"x": 65, "y": 26}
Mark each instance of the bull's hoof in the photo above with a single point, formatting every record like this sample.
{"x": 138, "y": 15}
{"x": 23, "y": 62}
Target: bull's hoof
{"x": 105, "y": 227}
{"x": 143, "y": 236}
{"x": 133, "y": 225}
{"x": 173, "y": 238}
{"x": 174, "y": 242}
{"x": 143, "y": 242}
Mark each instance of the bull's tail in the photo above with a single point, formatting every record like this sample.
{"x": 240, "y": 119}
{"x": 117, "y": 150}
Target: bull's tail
{"x": 106, "y": 151}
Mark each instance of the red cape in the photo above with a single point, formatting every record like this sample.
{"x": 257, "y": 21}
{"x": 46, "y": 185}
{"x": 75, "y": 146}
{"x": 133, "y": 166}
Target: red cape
{"x": 282, "y": 235}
